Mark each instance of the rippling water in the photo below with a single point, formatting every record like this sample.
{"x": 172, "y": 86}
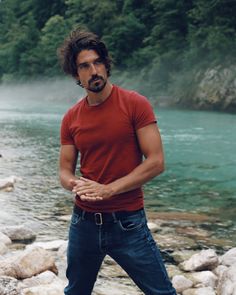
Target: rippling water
{"x": 200, "y": 174}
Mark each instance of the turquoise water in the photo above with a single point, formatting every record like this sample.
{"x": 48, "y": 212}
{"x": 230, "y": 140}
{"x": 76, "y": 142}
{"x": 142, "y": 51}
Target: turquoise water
{"x": 200, "y": 174}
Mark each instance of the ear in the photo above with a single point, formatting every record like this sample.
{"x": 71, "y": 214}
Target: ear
{"x": 78, "y": 82}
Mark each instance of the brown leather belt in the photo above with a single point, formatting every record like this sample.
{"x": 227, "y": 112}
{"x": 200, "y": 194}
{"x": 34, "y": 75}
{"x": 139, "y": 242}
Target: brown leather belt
{"x": 103, "y": 217}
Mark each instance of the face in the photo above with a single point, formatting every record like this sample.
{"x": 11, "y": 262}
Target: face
{"x": 91, "y": 71}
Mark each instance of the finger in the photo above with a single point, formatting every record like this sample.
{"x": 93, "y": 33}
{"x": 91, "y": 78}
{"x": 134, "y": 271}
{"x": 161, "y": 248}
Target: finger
{"x": 80, "y": 187}
{"x": 84, "y": 179}
{"x": 90, "y": 199}
{"x": 86, "y": 191}
{"x": 76, "y": 183}
{"x": 93, "y": 195}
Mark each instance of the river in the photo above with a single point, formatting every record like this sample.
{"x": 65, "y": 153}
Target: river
{"x": 200, "y": 176}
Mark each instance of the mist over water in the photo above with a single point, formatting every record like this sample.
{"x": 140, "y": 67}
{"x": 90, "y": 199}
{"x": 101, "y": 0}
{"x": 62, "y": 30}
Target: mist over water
{"x": 55, "y": 91}
{"x": 199, "y": 151}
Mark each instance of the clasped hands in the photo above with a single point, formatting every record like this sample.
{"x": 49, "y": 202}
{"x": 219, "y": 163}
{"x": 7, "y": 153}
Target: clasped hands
{"x": 89, "y": 190}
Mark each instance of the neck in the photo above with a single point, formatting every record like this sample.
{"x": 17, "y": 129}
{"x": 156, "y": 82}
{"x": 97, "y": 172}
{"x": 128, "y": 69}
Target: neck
{"x": 97, "y": 98}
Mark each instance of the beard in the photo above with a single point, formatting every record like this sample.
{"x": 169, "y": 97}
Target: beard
{"x": 96, "y": 84}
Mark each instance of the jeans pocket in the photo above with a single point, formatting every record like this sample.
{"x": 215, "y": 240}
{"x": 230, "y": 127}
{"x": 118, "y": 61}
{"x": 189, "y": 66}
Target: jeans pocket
{"x": 130, "y": 224}
{"x": 75, "y": 219}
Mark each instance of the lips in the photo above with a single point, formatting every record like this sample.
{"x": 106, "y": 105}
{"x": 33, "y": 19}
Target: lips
{"x": 95, "y": 80}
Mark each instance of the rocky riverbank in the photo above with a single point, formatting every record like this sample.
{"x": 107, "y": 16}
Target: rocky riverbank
{"x": 211, "y": 89}
{"x": 198, "y": 262}
{"x": 28, "y": 267}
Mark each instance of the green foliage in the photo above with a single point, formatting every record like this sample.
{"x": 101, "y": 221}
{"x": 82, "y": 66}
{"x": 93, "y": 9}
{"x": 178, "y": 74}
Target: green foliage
{"x": 158, "y": 40}
{"x": 52, "y": 34}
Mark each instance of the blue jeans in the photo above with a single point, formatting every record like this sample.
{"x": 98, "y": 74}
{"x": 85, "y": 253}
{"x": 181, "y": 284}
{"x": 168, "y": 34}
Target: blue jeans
{"x": 128, "y": 241}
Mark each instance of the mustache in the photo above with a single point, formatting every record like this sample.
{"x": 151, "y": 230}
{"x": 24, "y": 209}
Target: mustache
{"x": 94, "y": 78}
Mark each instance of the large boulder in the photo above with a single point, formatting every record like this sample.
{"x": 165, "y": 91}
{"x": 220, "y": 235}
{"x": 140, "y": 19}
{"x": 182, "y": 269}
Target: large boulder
{"x": 229, "y": 258}
{"x": 206, "y": 259}
{"x": 19, "y": 233}
{"x": 227, "y": 282}
{"x": 28, "y": 263}
{"x": 216, "y": 89}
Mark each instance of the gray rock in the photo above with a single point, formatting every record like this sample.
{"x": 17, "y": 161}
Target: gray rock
{"x": 52, "y": 245}
{"x": 19, "y": 233}
{"x": 229, "y": 258}
{"x": 44, "y": 278}
{"x": 173, "y": 242}
{"x": 180, "y": 256}
{"x": 227, "y": 282}
{"x": 8, "y": 183}
{"x": 219, "y": 270}
{"x": 206, "y": 259}
{"x": 216, "y": 89}
{"x": 113, "y": 287}
{"x": 173, "y": 270}
{"x": 62, "y": 250}
{"x": 28, "y": 263}
{"x": 4, "y": 239}
{"x": 181, "y": 283}
{"x": 201, "y": 291}
{"x": 203, "y": 279}
{"x": 3, "y": 248}
{"x": 112, "y": 271}
{"x": 8, "y": 286}
{"x": 50, "y": 289}
{"x": 153, "y": 227}
{"x": 65, "y": 218}
{"x": 109, "y": 261}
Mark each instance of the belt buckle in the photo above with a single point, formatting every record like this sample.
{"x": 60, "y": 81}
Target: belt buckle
{"x": 98, "y": 218}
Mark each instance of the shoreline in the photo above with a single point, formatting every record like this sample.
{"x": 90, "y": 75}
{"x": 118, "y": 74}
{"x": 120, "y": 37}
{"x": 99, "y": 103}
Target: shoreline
{"x": 191, "y": 269}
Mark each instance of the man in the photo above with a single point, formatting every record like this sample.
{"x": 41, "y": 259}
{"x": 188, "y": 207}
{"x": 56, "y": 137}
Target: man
{"x": 111, "y": 129}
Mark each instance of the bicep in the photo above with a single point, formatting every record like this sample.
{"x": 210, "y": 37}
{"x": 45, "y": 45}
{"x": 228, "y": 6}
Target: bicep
{"x": 150, "y": 142}
{"x": 68, "y": 158}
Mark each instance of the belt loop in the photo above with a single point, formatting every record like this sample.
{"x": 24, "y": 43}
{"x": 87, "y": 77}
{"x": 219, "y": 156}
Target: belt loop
{"x": 114, "y": 217}
{"x": 98, "y": 218}
{"x": 83, "y": 214}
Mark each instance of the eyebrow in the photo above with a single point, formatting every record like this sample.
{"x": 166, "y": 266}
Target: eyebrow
{"x": 85, "y": 63}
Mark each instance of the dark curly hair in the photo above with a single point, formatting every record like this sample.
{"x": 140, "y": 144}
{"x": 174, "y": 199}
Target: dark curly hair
{"x": 77, "y": 41}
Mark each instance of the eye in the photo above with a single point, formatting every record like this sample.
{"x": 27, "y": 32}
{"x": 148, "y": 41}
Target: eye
{"x": 83, "y": 66}
{"x": 98, "y": 62}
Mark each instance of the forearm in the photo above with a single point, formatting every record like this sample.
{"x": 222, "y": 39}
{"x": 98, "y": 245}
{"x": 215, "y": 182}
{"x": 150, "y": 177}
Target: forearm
{"x": 66, "y": 178}
{"x": 90, "y": 190}
{"x": 149, "y": 168}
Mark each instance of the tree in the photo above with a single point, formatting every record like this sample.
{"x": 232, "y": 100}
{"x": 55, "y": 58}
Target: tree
{"x": 52, "y": 35}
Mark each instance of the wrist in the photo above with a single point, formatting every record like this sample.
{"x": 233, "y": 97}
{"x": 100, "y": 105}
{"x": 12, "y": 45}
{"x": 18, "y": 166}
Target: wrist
{"x": 111, "y": 190}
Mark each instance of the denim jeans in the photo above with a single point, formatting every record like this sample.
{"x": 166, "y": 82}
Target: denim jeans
{"x": 128, "y": 241}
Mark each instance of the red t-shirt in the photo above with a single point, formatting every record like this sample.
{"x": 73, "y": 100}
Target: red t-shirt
{"x": 105, "y": 136}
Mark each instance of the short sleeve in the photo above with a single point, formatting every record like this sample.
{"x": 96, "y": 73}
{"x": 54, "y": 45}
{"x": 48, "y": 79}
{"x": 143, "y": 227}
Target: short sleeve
{"x": 66, "y": 137}
{"x": 143, "y": 113}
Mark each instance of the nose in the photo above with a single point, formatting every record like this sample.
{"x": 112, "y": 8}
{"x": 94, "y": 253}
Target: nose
{"x": 93, "y": 69}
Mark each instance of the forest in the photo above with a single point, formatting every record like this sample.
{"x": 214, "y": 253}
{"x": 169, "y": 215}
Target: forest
{"x": 152, "y": 42}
